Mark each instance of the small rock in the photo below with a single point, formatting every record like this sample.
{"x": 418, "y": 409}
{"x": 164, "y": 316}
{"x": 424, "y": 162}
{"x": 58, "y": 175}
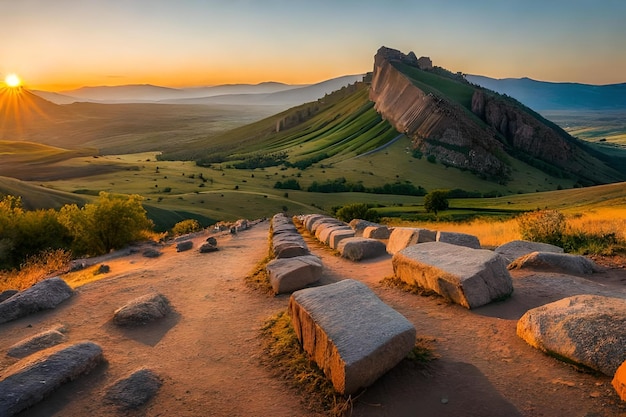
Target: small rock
{"x": 142, "y": 310}
{"x": 102, "y": 269}
{"x": 184, "y": 246}
{"x": 207, "y": 247}
{"x": 134, "y": 390}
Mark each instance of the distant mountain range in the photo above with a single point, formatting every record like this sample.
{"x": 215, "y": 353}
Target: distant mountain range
{"x": 542, "y": 95}
{"x": 268, "y": 93}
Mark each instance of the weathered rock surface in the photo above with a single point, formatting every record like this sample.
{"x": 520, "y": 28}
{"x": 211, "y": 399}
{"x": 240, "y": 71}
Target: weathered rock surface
{"x": 619, "y": 381}
{"x": 325, "y": 231}
{"x": 377, "y": 232}
{"x": 44, "y": 295}
{"x": 338, "y": 235}
{"x": 6, "y": 294}
{"x": 31, "y": 379}
{"x": 311, "y": 218}
{"x": 557, "y": 262}
{"x": 134, "y": 390}
{"x": 469, "y": 277}
{"x": 359, "y": 248}
{"x": 350, "y": 333}
{"x": 588, "y": 330}
{"x": 460, "y": 239}
{"x": 518, "y": 248}
{"x": 208, "y": 248}
{"x": 37, "y": 342}
{"x": 290, "y": 274}
{"x": 142, "y": 310}
{"x": 289, "y": 245}
{"x": 359, "y": 226}
{"x": 183, "y": 246}
{"x": 402, "y": 237}
{"x": 152, "y": 253}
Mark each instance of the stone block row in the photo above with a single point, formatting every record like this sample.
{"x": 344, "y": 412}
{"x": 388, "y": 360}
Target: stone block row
{"x": 293, "y": 266}
{"x": 354, "y": 241}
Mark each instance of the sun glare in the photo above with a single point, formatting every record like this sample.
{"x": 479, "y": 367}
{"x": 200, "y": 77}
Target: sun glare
{"x": 12, "y": 80}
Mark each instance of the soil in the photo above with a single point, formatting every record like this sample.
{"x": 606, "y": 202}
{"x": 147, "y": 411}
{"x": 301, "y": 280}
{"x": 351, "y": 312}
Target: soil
{"x": 208, "y": 353}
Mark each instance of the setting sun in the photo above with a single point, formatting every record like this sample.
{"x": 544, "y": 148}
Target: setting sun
{"x": 12, "y": 80}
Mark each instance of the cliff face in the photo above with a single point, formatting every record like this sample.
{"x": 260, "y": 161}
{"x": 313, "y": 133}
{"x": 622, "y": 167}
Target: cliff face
{"x": 442, "y": 127}
{"x": 436, "y": 126}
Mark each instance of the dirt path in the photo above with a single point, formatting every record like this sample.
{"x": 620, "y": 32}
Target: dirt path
{"x": 208, "y": 352}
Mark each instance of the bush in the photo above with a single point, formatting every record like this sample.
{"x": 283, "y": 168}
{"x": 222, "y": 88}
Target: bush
{"x": 357, "y": 211}
{"x": 436, "y": 201}
{"x": 110, "y": 223}
{"x": 185, "y": 227}
{"x": 547, "y": 226}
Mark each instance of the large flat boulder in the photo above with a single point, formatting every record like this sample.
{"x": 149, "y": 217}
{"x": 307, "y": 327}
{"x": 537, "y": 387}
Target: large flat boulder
{"x": 555, "y": 262}
{"x": 359, "y": 248}
{"x": 290, "y": 274}
{"x": 350, "y": 333}
{"x": 31, "y": 379}
{"x": 402, "y": 237}
{"x": 37, "y": 342}
{"x": 134, "y": 390}
{"x": 377, "y": 232}
{"x": 142, "y": 310}
{"x": 619, "y": 381}
{"x": 288, "y": 245}
{"x": 584, "y": 329}
{"x": 43, "y": 295}
{"x": 337, "y": 235}
{"x": 518, "y": 248}
{"x": 469, "y": 277}
{"x": 460, "y": 239}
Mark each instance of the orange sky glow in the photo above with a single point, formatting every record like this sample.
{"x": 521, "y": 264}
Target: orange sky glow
{"x": 67, "y": 44}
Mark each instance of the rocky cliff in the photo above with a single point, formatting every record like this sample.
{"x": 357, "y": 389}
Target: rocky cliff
{"x": 480, "y": 134}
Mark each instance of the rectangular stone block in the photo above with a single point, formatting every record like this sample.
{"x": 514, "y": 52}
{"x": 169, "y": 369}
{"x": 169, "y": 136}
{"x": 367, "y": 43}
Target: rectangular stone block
{"x": 350, "y": 333}
{"x": 469, "y": 277}
{"x": 291, "y": 274}
{"x": 402, "y": 237}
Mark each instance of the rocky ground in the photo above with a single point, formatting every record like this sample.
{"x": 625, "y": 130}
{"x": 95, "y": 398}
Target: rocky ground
{"x": 208, "y": 351}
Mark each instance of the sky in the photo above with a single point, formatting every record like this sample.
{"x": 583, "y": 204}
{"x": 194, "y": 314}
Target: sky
{"x": 59, "y": 45}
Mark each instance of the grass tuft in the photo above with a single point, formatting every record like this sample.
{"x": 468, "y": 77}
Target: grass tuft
{"x": 285, "y": 356}
{"x": 258, "y": 279}
{"x": 35, "y": 269}
{"x": 395, "y": 282}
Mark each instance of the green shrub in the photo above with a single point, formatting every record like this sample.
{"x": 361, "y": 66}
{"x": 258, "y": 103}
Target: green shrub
{"x": 357, "y": 211}
{"x": 547, "y": 226}
{"x": 185, "y": 227}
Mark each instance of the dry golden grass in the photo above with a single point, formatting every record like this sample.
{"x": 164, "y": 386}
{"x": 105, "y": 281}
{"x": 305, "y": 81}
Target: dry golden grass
{"x": 35, "y": 269}
{"x": 493, "y": 233}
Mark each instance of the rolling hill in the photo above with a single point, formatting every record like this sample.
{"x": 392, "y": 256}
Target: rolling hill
{"x": 542, "y": 95}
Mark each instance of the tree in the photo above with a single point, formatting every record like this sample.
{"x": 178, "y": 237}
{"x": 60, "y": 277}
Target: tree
{"x": 111, "y": 223}
{"x": 436, "y": 201}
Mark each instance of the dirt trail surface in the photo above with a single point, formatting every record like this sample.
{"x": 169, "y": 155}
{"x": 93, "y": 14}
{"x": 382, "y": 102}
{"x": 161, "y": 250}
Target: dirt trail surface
{"x": 208, "y": 353}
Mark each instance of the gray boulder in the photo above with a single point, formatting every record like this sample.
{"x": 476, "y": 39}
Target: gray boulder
{"x": 555, "y": 262}
{"x": 152, "y": 253}
{"x": 6, "y": 294}
{"x": 337, "y": 235}
{"x": 134, "y": 390}
{"x": 518, "y": 248}
{"x": 359, "y": 248}
{"x": 460, "y": 239}
{"x": 585, "y": 329}
{"x": 142, "y": 310}
{"x": 402, "y": 237}
{"x": 469, "y": 277}
{"x": 289, "y": 245}
{"x": 43, "y": 295}
{"x": 350, "y": 333}
{"x": 290, "y": 274}
{"x": 311, "y": 218}
{"x": 359, "y": 225}
{"x": 31, "y": 379}
{"x": 325, "y": 231}
{"x": 377, "y": 232}
{"x": 324, "y": 221}
{"x": 35, "y": 343}
{"x": 206, "y": 247}
{"x": 183, "y": 246}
